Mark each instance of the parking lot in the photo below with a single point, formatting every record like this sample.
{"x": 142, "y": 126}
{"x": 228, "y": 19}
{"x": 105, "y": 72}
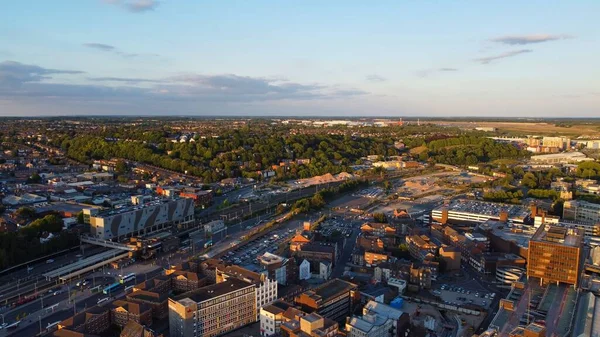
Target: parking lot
{"x": 347, "y": 203}
{"x": 248, "y": 254}
{"x": 371, "y": 193}
{"x": 329, "y": 226}
{"x": 455, "y": 295}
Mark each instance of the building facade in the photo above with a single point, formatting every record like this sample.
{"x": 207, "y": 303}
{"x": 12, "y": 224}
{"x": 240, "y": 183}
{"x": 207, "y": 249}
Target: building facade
{"x": 555, "y": 255}
{"x": 581, "y": 211}
{"x": 332, "y": 299}
{"x": 213, "y": 310}
{"x": 266, "y": 288}
{"x": 139, "y": 220}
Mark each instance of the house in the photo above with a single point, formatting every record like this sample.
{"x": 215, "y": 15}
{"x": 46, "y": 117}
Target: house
{"x": 377, "y": 229}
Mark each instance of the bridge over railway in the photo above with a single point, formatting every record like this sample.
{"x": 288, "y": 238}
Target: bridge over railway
{"x": 107, "y": 243}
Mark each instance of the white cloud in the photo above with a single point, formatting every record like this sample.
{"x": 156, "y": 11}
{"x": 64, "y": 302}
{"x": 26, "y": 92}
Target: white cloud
{"x": 489, "y": 59}
{"x": 529, "y": 39}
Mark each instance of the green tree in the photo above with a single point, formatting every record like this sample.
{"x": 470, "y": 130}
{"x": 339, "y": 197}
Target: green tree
{"x": 80, "y": 218}
{"x": 317, "y": 201}
{"x": 379, "y": 217}
{"x": 25, "y": 212}
{"x": 121, "y": 167}
{"x": 529, "y": 180}
{"x": 34, "y": 179}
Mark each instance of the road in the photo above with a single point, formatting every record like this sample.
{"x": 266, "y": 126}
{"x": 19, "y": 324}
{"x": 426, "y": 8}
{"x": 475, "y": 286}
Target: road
{"x": 84, "y": 298}
{"x": 490, "y": 287}
{"x": 23, "y": 282}
{"x": 235, "y": 232}
{"x": 338, "y": 269}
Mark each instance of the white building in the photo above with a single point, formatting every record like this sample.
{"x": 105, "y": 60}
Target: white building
{"x": 272, "y": 315}
{"x": 214, "y": 227}
{"x": 24, "y": 199}
{"x": 304, "y": 270}
{"x": 369, "y": 325}
{"x": 266, "y": 288}
{"x": 397, "y": 317}
{"x": 560, "y": 158}
{"x": 324, "y": 270}
{"x": 593, "y": 144}
{"x": 398, "y": 283}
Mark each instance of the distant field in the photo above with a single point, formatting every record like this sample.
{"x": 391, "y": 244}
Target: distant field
{"x": 534, "y": 128}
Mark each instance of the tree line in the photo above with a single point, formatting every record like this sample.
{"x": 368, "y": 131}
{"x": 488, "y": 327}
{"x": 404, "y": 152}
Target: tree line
{"x": 24, "y": 245}
{"x": 470, "y": 150}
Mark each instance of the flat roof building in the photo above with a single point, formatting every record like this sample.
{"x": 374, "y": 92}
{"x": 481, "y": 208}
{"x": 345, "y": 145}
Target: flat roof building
{"x": 140, "y": 219}
{"x": 213, "y": 310}
{"x": 560, "y": 158}
{"x": 555, "y": 255}
{"x": 581, "y": 211}
{"x": 479, "y": 211}
{"x": 332, "y": 299}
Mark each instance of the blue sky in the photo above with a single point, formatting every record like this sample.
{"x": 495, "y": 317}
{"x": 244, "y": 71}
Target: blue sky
{"x": 368, "y": 58}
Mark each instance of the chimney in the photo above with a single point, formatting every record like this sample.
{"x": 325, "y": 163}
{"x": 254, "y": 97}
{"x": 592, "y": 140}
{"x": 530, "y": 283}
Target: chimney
{"x": 503, "y": 216}
{"x": 444, "y": 219}
{"x": 533, "y": 207}
{"x": 307, "y": 226}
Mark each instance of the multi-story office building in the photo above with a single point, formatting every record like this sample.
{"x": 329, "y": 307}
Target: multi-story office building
{"x": 141, "y": 219}
{"x": 555, "y": 255}
{"x": 562, "y": 143}
{"x": 213, "y": 310}
{"x": 332, "y": 299}
{"x": 266, "y": 288}
{"x": 590, "y": 230}
{"x": 581, "y": 211}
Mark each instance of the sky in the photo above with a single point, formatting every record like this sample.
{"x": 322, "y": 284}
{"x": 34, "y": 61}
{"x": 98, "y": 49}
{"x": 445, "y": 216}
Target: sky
{"x": 300, "y": 58}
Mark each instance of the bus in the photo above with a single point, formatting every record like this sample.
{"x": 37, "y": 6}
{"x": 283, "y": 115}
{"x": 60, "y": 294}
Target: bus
{"x": 208, "y": 244}
{"x": 13, "y": 325}
{"x": 127, "y": 278}
{"x": 52, "y": 325}
{"x": 111, "y": 288}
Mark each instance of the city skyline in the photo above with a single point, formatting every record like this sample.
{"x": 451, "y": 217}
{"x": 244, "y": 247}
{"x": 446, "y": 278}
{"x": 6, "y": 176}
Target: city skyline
{"x": 147, "y": 57}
